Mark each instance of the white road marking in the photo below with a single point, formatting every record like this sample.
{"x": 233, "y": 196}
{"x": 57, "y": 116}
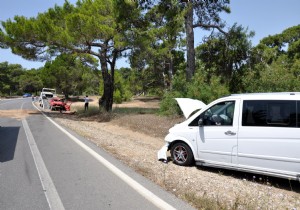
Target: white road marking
{"x": 127, "y": 179}
{"x": 51, "y": 194}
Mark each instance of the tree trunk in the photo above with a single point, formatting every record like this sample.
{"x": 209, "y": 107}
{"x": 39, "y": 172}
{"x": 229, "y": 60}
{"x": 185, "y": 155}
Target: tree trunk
{"x": 171, "y": 73}
{"x": 106, "y": 100}
{"x": 190, "y": 68}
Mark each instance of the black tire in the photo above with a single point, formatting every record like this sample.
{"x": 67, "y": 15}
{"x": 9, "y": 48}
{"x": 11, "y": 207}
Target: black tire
{"x": 182, "y": 154}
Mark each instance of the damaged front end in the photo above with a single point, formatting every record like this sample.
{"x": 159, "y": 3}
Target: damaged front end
{"x": 188, "y": 107}
{"x": 162, "y": 153}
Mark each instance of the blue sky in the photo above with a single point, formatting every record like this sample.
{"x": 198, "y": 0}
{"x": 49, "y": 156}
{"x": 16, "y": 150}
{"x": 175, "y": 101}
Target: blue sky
{"x": 265, "y": 17}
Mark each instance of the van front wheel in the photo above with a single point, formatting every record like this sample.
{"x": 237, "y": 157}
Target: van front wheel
{"x": 182, "y": 154}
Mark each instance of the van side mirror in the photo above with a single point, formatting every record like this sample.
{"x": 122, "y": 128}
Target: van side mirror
{"x": 200, "y": 122}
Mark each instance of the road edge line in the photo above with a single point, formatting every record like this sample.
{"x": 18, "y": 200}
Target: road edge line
{"x": 49, "y": 188}
{"x": 127, "y": 179}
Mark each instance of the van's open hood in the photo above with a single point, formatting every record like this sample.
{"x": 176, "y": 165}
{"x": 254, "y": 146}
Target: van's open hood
{"x": 188, "y": 105}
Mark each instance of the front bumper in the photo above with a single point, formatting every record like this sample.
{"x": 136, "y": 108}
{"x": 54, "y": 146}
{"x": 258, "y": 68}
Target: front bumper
{"x": 162, "y": 153}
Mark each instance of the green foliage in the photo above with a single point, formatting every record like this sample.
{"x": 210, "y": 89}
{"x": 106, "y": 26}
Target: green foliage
{"x": 124, "y": 87}
{"x": 155, "y": 53}
{"x": 90, "y": 27}
{"x": 4, "y": 72}
{"x": 275, "y": 63}
{"x": 71, "y": 75}
{"x": 152, "y": 30}
{"x": 206, "y": 91}
{"x": 225, "y": 54}
{"x": 280, "y": 41}
{"x": 277, "y": 77}
{"x": 168, "y": 105}
{"x": 117, "y": 96}
{"x": 198, "y": 88}
{"x": 30, "y": 82}
{"x": 295, "y": 68}
{"x": 122, "y": 90}
{"x": 10, "y": 75}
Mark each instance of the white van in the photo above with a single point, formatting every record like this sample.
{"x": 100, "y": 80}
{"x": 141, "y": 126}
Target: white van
{"x": 258, "y": 133}
{"x": 45, "y": 95}
{"x": 48, "y": 93}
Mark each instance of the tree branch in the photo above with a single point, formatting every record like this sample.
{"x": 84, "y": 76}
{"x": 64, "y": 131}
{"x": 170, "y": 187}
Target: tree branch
{"x": 206, "y": 26}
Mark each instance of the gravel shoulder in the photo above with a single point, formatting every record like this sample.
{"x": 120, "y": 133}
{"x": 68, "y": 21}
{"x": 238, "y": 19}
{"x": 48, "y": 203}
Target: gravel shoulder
{"x": 135, "y": 139}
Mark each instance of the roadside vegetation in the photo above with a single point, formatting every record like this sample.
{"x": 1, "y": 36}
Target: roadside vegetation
{"x": 268, "y": 67}
{"x": 85, "y": 41}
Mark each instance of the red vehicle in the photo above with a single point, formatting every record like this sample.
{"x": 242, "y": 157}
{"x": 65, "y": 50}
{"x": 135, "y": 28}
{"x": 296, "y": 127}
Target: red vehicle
{"x": 59, "y": 104}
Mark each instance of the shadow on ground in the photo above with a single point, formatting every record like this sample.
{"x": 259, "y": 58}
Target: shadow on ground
{"x": 290, "y": 185}
{"x": 8, "y": 142}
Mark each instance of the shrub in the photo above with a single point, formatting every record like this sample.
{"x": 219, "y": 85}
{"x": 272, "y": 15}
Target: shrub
{"x": 198, "y": 88}
{"x": 206, "y": 91}
{"x": 117, "y": 97}
{"x": 168, "y": 105}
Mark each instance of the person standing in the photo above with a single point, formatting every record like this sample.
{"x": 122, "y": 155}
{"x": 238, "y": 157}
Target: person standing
{"x": 86, "y": 103}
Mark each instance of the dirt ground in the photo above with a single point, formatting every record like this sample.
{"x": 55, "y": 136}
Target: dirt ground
{"x": 17, "y": 114}
{"x": 135, "y": 139}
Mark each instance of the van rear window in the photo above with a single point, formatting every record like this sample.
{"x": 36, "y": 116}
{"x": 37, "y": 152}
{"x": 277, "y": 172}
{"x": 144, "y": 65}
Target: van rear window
{"x": 271, "y": 113}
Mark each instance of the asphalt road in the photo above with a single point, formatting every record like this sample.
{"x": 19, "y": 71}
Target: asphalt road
{"x": 45, "y": 166}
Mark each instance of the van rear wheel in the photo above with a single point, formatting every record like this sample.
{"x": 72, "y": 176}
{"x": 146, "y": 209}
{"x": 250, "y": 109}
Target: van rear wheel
{"x": 182, "y": 154}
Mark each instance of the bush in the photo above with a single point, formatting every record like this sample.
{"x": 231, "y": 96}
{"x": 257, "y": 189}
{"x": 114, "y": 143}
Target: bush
{"x": 117, "y": 97}
{"x": 168, "y": 105}
{"x": 206, "y": 91}
{"x": 127, "y": 95}
{"x": 198, "y": 89}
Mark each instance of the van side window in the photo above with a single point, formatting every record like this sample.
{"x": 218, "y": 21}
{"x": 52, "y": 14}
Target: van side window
{"x": 271, "y": 113}
{"x": 220, "y": 114}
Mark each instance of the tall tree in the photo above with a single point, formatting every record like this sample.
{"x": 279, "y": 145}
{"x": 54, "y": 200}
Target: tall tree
{"x": 30, "y": 81}
{"x": 91, "y": 27}
{"x": 225, "y": 55}
{"x": 156, "y": 46}
{"x": 205, "y": 15}
{"x": 69, "y": 74}
{"x": 275, "y": 63}
{"x": 287, "y": 42}
{"x": 9, "y": 78}
{"x": 4, "y": 78}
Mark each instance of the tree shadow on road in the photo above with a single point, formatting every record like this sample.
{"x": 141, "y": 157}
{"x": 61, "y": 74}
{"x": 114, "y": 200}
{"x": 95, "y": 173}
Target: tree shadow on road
{"x": 8, "y": 142}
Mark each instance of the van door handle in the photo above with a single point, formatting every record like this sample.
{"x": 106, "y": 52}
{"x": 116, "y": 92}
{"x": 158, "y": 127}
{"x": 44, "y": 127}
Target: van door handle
{"x": 230, "y": 133}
